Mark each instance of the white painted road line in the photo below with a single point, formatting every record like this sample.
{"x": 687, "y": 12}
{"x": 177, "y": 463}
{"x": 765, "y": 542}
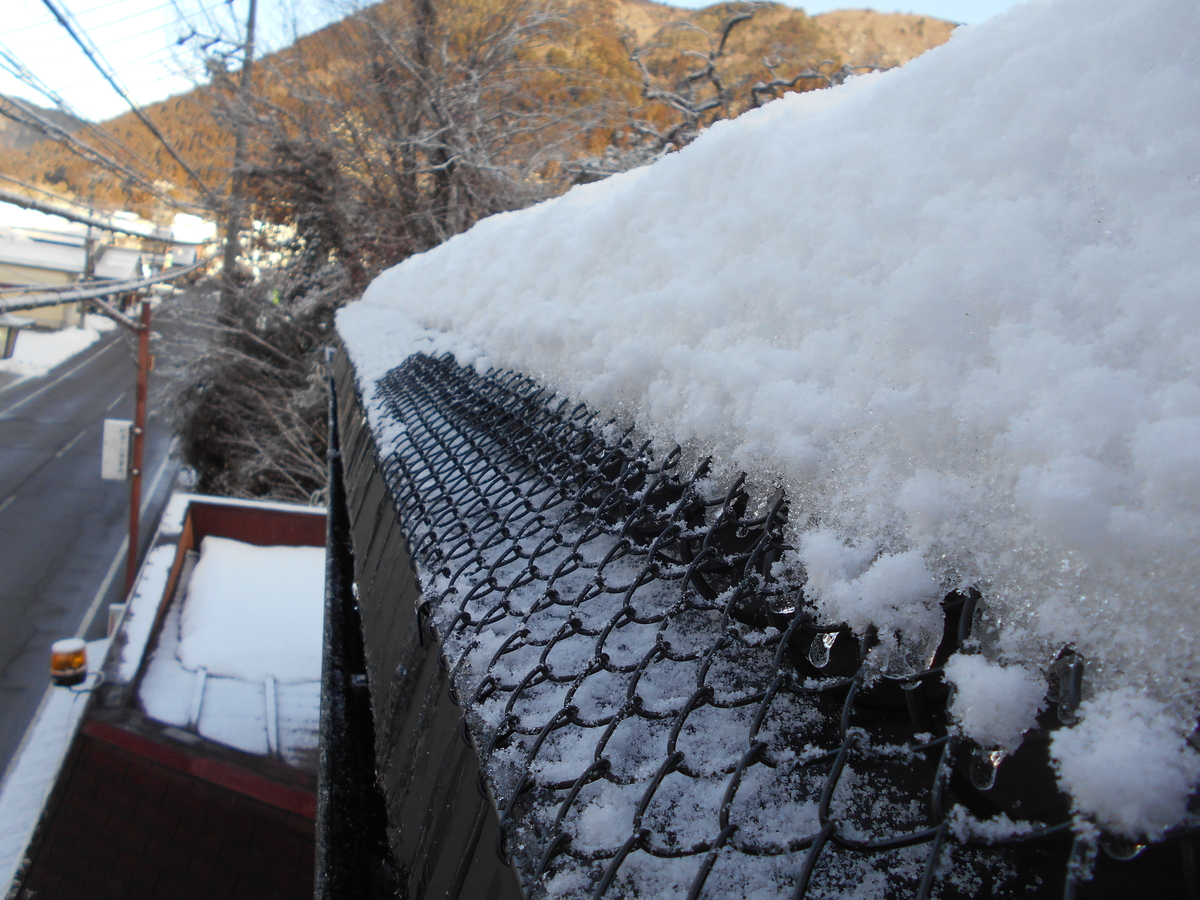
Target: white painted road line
{"x": 65, "y": 375}
{"x": 69, "y": 444}
{"x": 120, "y": 397}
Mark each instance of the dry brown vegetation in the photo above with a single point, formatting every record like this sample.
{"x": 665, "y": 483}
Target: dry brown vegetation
{"x": 590, "y": 48}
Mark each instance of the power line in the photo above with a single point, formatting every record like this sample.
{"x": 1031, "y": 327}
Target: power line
{"x": 15, "y": 67}
{"x": 71, "y": 214}
{"x": 154, "y": 58}
{"x": 91, "y": 290}
{"x": 20, "y": 112}
{"x": 31, "y": 25}
{"x": 10, "y": 62}
{"x": 93, "y": 54}
{"x": 109, "y": 23}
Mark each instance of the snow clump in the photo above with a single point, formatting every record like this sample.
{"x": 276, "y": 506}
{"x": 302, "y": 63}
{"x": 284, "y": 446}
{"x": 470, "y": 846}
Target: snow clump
{"x": 994, "y": 704}
{"x": 1126, "y": 764}
{"x": 254, "y": 612}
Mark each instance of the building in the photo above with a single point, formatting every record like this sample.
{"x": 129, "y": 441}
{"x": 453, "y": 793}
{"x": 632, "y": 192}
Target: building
{"x": 195, "y": 782}
{"x": 44, "y": 264}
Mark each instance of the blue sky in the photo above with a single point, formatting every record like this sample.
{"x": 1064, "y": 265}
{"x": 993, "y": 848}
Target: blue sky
{"x": 137, "y": 37}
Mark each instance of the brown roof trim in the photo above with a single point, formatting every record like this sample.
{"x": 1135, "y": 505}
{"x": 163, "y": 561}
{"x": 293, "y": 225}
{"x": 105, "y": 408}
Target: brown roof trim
{"x": 219, "y": 772}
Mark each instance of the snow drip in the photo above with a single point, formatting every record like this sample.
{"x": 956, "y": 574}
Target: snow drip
{"x": 950, "y": 309}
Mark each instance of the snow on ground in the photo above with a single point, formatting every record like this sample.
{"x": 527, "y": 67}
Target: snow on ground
{"x": 252, "y": 612}
{"x": 952, "y": 308}
{"x": 37, "y": 352}
{"x": 34, "y": 768}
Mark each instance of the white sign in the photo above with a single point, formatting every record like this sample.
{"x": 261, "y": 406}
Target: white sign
{"x": 114, "y": 454}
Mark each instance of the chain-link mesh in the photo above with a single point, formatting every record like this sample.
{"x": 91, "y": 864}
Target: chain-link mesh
{"x": 658, "y": 709}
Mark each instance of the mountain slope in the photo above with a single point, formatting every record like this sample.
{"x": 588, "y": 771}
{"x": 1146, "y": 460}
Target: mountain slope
{"x": 597, "y": 41}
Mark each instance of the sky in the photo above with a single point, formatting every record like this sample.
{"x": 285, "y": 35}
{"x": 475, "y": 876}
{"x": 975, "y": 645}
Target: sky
{"x": 138, "y": 39}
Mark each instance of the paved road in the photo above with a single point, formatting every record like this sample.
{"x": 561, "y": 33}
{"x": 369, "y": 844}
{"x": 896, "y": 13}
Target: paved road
{"x": 62, "y": 529}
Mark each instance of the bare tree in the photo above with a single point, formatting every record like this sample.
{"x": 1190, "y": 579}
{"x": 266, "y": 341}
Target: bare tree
{"x": 692, "y": 77}
{"x": 447, "y": 114}
{"x": 827, "y": 73}
{"x": 385, "y": 136}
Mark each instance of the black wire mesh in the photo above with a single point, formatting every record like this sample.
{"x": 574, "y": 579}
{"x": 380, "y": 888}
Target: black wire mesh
{"x": 658, "y": 709}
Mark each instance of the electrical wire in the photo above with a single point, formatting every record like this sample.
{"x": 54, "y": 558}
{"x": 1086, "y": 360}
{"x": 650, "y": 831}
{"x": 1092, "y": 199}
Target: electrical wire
{"x": 20, "y": 112}
{"x": 10, "y": 62}
{"x": 93, "y": 54}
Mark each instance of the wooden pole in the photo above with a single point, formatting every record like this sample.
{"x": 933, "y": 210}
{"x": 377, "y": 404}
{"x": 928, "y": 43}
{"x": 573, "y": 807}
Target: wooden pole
{"x": 139, "y": 447}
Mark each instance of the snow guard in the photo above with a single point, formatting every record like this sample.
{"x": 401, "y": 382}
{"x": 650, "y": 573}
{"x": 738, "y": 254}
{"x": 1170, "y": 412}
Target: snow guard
{"x": 588, "y": 677}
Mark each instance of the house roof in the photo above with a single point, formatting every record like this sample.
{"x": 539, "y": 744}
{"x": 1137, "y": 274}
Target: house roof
{"x": 265, "y": 716}
{"x": 120, "y": 264}
{"x": 39, "y": 255}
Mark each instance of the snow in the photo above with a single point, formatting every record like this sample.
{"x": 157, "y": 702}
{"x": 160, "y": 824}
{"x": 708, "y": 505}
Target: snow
{"x": 13, "y": 216}
{"x": 1126, "y": 764}
{"x": 248, "y": 614}
{"x": 951, "y": 309}
{"x": 138, "y": 619}
{"x": 254, "y": 612}
{"x": 37, "y": 352}
{"x": 34, "y": 768}
{"x": 995, "y": 704}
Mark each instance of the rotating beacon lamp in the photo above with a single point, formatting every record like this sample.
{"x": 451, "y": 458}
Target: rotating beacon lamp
{"x": 68, "y": 662}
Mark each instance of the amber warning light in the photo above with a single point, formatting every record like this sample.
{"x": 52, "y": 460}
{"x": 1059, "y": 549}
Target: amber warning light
{"x": 68, "y": 662}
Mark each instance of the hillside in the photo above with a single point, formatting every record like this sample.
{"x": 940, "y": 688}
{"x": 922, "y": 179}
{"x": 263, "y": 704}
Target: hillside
{"x": 593, "y": 49}
{"x": 891, "y": 39}
{"x": 16, "y": 137}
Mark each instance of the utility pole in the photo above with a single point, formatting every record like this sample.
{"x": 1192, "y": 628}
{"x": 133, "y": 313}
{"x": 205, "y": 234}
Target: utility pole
{"x": 139, "y": 447}
{"x": 233, "y": 222}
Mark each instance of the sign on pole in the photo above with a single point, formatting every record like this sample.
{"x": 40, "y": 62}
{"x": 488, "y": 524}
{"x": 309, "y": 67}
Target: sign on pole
{"x": 114, "y": 455}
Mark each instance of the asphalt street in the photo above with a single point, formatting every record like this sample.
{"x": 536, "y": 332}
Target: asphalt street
{"x": 63, "y": 531}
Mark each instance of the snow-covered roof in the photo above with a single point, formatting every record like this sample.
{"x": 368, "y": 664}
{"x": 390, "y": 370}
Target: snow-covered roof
{"x": 41, "y": 255}
{"x": 237, "y": 658}
{"x": 120, "y": 264}
{"x": 951, "y": 309}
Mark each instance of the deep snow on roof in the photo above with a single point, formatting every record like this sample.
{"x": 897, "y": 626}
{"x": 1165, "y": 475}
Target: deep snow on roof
{"x": 952, "y": 310}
